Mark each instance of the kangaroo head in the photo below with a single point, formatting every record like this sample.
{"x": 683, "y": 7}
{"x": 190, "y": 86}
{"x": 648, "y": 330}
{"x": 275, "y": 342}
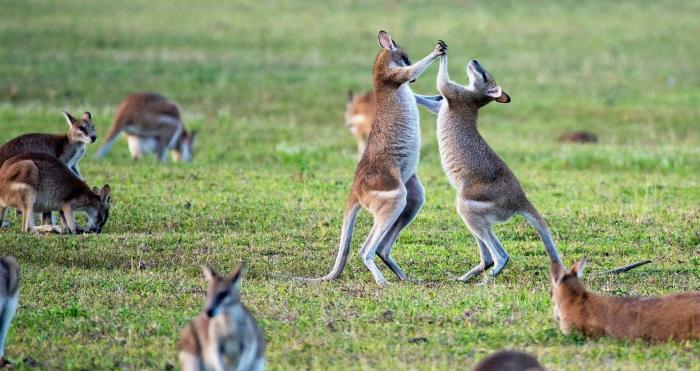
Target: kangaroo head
{"x": 396, "y": 54}
{"x": 566, "y": 286}
{"x": 223, "y": 291}
{"x": 358, "y": 111}
{"x": 183, "y": 150}
{"x": 483, "y": 86}
{"x": 99, "y": 212}
{"x": 81, "y": 130}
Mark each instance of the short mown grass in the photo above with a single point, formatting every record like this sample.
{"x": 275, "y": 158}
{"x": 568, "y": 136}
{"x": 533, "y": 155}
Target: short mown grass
{"x": 265, "y": 84}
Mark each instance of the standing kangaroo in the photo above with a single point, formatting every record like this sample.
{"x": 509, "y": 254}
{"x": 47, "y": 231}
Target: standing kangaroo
{"x": 385, "y": 181}
{"x": 37, "y": 182}
{"x": 69, "y": 148}
{"x": 670, "y": 317}
{"x": 9, "y": 296}
{"x": 225, "y": 336}
{"x": 152, "y": 124}
{"x": 487, "y": 191}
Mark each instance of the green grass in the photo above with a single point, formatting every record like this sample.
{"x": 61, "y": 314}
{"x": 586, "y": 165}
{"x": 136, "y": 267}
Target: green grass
{"x": 265, "y": 83}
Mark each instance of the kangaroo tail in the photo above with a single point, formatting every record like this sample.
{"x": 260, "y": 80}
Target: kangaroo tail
{"x": 536, "y": 220}
{"x": 344, "y": 248}
{"x": 112, "y": 135}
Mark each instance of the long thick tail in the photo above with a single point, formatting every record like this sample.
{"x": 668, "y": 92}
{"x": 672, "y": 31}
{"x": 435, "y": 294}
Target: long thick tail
{"x": 344, "y": 247}
{"x": 536, "y": 220}
{"x": 112, "y": 135}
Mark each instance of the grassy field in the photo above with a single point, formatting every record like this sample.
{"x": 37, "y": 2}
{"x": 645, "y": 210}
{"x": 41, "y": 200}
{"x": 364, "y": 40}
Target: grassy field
{"x": 265, "y": 84}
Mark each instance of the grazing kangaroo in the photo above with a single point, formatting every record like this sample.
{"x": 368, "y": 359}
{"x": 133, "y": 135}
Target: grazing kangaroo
{"x": 225, "y": 336}
{"x": 509, "y": 360}
{"x": 487, "y": 191}
{"x": 37, "y": 182}
{"x": 152, "y": 124}
{"x": 69, "y": 148}
{"x": 359, "y": 114}
{"x": 385, "y": 181}
{"x": 9, "y": 296}
{"x": 670, "y": 317}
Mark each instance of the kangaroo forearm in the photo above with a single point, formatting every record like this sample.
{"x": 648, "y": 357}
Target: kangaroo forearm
{"x": 445, "y": 86}
{"x": 431, "y": 103}
{"x": 405, "y": 74}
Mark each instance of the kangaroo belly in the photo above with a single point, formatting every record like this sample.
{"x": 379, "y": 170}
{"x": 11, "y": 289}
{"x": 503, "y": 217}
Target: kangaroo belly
{"x": 408, "y": 137}
{"x": 140, "y": 145}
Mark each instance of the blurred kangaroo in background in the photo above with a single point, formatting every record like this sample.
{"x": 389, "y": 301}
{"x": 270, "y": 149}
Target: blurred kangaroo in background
{"x": 359, "y": 113}
{"x": 225, "y": 336}
{"x": 509, "y": 360}
{"x": 670, "y": 317}
{"x": 385, "y": 181}
{"x": 9, "y": 296}
{"x": 37, "y": 182}
{"x": 69, "y": 148}
{"x": 487, "y": 191}
{"x": 152, "y": 124}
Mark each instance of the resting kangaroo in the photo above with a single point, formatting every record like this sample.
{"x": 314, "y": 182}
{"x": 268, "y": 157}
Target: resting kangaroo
{"x": 37, "y": 182}
{"x": 9, "y": 296}
{"x": 359, "y": 114}
{"x": 385, "y": 181}
{"x": 152, "y": 124}
{"x": 487, "y": 191}
{"x": 225, "y": 336}
{"x": 670, "y": 317}
{"x": 69, "y": 148}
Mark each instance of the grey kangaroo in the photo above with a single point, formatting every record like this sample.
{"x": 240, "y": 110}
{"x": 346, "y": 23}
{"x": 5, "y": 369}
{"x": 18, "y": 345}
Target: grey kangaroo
{"x": 487, "y": 191}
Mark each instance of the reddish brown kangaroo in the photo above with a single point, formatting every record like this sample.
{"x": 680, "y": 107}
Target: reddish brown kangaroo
{"x": 385, "y": 180}
{"x": 670, "y": 317}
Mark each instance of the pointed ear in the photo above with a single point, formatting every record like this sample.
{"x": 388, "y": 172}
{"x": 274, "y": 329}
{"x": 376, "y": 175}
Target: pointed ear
{"x": 87, "y": 116}
{"x": 70, "y": 119}
{"x": 106, "y": 194}
{"x": 351, "y": 95}
{"x": 557, "y": 272}
{"x": 579, "y": 267}
{"x": 209, "y": 273}
{"x": 385, "y": 41}
{"x": 504, "y": 98}
{"x": 237, "y": 278}
{"x": 96, "y": 190}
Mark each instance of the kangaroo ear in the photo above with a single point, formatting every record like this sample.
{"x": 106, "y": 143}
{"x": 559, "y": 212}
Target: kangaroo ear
{"x": 237, "y": 278}
{"x": 351, "y": 95}
{"x": 96, "y": 190}
{"x": 70, "y": 119}
{"x": 579, "y": 267}
{"x": 209, "y": 273}
{"x": 504, "y": 98}
{"x": 87, "y": 116}
{"x": 557, "y": 272}
{"x": 385, "y": 41}
{"x": 106, "y": 194}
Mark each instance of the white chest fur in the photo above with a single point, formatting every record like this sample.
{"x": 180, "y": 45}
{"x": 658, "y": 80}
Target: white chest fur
{"x": 410, "y": 122}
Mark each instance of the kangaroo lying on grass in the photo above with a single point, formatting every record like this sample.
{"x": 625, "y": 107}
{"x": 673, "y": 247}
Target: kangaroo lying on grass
{"x": 359, "y": 114}
{"x": 152, "y": 124}
{"x": 385, "y": 181}
{"x": 670, "y": 317}
{"x": 487, "y": 191}
{"x": 37, "y": 182}
{"x": 69, "y": 148}
{"x": 9, "y": 296}
{"x": 509, "y": 360}
{"x": 225, "y": 336}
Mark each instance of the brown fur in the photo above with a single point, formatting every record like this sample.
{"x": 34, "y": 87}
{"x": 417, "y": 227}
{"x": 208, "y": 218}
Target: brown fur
{"x": 359, "y": 114}
{"x": 141, "y": 115}
{"x": 385, "y": 181}
{"x": 509, "y": 360}
{"x": 37, "y": 182}
{"x": 578, "y": 137}
{"x": 670, "y": 317}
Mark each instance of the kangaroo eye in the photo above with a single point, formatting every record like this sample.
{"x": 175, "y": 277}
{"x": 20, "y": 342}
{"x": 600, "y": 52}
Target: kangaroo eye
{"x": 82, "y": 128}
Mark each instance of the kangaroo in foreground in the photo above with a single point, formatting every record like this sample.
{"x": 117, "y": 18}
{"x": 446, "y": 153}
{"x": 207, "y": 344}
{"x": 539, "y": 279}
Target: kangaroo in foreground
{"x": 69, "y": 148}
{"x": 385, "y": 181}
{"x": 359, "y": 114}
{"x": 509, "y": 360}
{"x": 152, "y": 124}
{"x": 37, "y": 182}
{"x": 9, "y": 296}
{"x": 487, "y": 191}
{"x": 225, "y": 336}
{"x": 670, "y": 317}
